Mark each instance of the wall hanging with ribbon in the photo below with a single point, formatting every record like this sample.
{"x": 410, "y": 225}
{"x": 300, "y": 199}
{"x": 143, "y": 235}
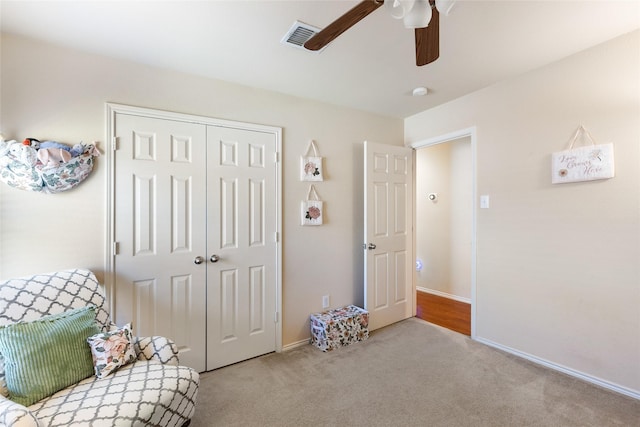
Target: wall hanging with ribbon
{"x": 312, "y": 208}
{"x": 47, "y": 167}
{"x": 311, "y": 165}
{"x": 583, "y": 163}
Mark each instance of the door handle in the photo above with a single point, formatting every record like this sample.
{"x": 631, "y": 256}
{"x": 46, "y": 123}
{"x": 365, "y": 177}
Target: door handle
{"x": 371, "y": 246}
{"x": 198, "y": 260}
{"x": 214, "y": 258}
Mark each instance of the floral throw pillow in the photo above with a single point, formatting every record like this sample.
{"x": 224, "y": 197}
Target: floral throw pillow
{"x": 111, "y": 350}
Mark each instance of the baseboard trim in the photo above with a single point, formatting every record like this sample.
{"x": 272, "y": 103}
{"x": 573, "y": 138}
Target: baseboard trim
{"x": 295, "y": 345}
{"x": 444, "y": 294}
{"x": 571, "y": 372}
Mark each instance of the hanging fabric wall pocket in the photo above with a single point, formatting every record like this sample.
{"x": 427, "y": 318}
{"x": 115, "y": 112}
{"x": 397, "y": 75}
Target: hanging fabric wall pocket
{"x": 312, "y": 213}
{"x": 47, "y": 167}
{"x": 311, "y": 165}
{"x": 585, "y": 163}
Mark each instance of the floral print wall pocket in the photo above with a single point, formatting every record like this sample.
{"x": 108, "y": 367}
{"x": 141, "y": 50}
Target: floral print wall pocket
{"x": 312, "y": 213}
{"x": 47, "y": 167}
{"x": 311, "y": 165}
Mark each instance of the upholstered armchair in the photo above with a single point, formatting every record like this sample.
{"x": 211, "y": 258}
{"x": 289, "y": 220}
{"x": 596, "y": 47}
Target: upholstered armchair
{"x": 151, "y": 389}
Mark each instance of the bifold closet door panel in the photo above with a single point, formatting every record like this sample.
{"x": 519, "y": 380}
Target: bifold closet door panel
{"x": 241, "y": 284}
{"x": 160, "y": 229}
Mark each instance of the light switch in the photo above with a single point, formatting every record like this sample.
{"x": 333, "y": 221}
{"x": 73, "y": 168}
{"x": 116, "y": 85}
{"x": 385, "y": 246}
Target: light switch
{"x": 484, "y": 202}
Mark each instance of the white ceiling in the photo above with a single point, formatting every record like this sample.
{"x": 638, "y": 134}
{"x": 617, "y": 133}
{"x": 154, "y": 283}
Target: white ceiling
{"x": 370, "y": 67}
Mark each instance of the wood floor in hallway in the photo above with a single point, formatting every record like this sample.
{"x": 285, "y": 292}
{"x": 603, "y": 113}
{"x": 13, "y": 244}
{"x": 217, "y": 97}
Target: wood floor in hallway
{"x": 445, "y": 312}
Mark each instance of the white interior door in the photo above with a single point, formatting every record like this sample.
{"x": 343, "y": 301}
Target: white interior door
{"x": 389, "y": 290}
{"x": 159, "y": 229}
{"x": 242, "y": 226}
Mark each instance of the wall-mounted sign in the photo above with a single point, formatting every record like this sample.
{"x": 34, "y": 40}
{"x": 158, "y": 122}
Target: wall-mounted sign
{"x": 584, "y": 163}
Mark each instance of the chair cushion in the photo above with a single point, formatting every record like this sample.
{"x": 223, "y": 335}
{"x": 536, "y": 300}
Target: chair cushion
{"x": 29, "y": 298}
{"x": 139, "y": 394}
{"x": 48, "y": 354}
{"x": 111, "y": 350}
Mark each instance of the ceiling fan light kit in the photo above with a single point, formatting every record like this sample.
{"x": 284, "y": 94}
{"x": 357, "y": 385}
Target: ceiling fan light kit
{"x": 417, "y": 15}
{"x": 398, "y": 8}
{"x": 444, "y": 6}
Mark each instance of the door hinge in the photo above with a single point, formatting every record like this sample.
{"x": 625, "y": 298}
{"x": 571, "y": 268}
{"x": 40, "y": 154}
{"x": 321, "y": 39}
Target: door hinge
{"x": 276, "y": 157}
{"x": 114, "y": 143}
{"x": 277, "y": 236}
{"x": 275, "y": 317}
{"x": 115, "y": 247}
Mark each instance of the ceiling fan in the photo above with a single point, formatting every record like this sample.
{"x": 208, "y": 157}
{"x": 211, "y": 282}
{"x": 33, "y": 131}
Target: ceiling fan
{"x": 421, "y": 15}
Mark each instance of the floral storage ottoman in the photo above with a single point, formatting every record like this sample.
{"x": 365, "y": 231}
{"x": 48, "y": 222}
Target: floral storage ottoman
{"x": 339, "y": 327}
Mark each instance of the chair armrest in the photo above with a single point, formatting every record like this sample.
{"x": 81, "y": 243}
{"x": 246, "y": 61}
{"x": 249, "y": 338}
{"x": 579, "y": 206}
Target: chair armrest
{"x": 15, "y": 415}
{"x": 157, "y": 348}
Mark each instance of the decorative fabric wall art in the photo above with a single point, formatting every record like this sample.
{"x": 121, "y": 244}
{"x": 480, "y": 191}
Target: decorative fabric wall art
{"x": 47, "y": 167}
{"x": 584, "y": 163}
{"x": 311, "y": 212}
{"x": 311, "y": 165}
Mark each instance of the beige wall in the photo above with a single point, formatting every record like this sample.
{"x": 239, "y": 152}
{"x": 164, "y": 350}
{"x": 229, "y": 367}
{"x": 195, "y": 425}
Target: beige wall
{"x": 443, "y": 227}
{"x": 54, "y": 93}
{"x": 558, "y": 266}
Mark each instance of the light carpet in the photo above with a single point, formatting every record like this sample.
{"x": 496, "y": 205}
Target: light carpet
{"x": 411, "y": 373}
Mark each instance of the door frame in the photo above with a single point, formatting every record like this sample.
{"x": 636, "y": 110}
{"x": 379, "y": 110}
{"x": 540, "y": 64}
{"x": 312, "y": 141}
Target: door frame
{"x": 471, "y": 133}
{"x": 111, "y": 110}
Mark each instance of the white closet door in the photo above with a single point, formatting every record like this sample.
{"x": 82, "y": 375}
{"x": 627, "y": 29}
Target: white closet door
{"x": 160, "y": 230}
{"x": 241, "y": 217}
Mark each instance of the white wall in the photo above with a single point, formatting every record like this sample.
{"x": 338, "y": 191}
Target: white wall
{"x": 558, "y": 266}
{"x": 433, "y": 218}
{"x": 461, "y": 216}
{"x": 443, "y": 227}
{"x": 54, "y": 93}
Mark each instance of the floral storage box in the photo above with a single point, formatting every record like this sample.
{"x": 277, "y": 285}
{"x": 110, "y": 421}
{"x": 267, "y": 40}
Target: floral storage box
{"x": 342, "y": 326}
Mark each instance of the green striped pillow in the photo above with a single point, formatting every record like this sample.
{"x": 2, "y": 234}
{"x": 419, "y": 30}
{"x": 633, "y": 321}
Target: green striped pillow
{"x": 48, "y": 354}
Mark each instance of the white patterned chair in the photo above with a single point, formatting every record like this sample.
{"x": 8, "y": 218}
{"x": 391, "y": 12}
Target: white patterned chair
{"x": 152, "y": 391}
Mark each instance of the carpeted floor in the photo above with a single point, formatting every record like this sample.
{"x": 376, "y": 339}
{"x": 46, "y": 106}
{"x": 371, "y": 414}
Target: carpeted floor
{"x": 408, "y": 374}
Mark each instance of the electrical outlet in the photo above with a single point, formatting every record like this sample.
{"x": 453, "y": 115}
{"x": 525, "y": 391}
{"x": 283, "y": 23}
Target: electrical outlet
{"x": 325, "y": 301}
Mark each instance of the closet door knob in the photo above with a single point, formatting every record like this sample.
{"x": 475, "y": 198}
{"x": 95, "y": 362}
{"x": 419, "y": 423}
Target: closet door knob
{"x": 198, "y": 260}
{"x": 214, "y": 258}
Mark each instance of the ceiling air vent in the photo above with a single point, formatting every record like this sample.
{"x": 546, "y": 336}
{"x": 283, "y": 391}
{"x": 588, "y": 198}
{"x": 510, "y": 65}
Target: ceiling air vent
{"x": 298, "y": 35}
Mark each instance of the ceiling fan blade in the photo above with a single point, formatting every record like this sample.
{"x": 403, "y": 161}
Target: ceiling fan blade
{"x": 342, "y": 24}
{"x": 428, "y": 40}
